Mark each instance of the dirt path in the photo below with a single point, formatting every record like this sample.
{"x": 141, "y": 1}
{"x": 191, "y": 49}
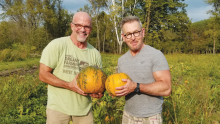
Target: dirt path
{"x": 20, "y": 71}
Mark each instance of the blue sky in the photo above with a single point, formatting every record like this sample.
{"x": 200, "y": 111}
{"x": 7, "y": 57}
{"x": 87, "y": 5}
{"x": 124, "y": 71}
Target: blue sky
{"x": 196, "y": 10}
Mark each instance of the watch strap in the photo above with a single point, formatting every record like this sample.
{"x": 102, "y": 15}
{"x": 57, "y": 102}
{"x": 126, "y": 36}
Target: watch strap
{"x": 137, "y": 89}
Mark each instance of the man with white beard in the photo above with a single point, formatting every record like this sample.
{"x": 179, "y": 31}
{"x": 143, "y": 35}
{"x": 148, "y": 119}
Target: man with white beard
{"x": 61, "y": 61}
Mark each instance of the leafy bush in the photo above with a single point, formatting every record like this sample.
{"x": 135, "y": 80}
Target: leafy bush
{"x": 9, "y": 55}
{"x": 5, "y": 54}
{"x": 18, "y": 52}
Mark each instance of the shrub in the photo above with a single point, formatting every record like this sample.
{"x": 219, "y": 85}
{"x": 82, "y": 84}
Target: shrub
{"x": 5, "y": 54}
{"x": 9, "y": 55}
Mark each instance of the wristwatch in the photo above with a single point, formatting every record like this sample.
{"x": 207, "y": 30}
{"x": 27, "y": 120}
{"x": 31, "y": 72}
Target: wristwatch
{"x": 137, "y": 89}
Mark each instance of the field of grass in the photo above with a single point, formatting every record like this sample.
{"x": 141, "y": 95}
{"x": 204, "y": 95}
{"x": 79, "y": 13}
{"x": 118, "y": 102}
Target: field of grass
{"x": 28, "y": 63}
{"x": 195, "y": 94}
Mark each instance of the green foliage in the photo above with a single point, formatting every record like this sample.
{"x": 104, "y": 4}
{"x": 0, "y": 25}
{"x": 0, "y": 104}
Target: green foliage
{"x": 23, "y": 99}
{"x": 5, "y": 54}
{"x": 27, "y": 64}
{"x": 109, "y": 63}
{"x": 194, "y": 98}
{"x": 166, "y": 24}
{"x": 33, "y": 23}
{"x": 195, "y": 89}
{"x": 12, "y": 55}
{"x": 108, "y": 110}
{"x": 18, "y": 52}
{"x": 204, "y": 36}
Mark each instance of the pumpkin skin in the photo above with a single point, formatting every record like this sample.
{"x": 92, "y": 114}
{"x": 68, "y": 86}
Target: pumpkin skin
{"x": 91, "y": 80}
{"x": 114, "y": 81}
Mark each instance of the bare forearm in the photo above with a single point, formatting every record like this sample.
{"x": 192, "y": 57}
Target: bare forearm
{"x": 53, "y": 80}
{"x": 158, "y": 88}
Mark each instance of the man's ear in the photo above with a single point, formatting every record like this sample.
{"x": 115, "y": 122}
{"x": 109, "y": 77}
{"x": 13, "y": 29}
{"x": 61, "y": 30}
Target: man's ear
{"x": 143, "y": 32}
{"x": 71, "y": 26}
{"x": 123, "y": 37}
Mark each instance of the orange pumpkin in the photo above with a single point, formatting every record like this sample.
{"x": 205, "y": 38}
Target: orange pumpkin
{"x": 114, "y": 81}
{"x": 92, "y": 80}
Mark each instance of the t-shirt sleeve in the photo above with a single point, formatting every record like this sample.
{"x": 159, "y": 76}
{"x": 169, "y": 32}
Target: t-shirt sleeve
{"x": 50, "y": 55}
{"x": 159, "y": 62}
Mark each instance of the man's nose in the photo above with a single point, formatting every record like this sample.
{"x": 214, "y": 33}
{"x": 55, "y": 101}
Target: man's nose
{"x": 132, "y": 36}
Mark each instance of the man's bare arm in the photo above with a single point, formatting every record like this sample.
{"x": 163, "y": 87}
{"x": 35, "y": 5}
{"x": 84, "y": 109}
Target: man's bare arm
{"x": 45, "y": 75}
{"x": 161, "y": 87}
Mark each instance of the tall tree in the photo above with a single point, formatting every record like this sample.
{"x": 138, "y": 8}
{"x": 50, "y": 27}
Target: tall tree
{"x": 56, "y": 19}
{"x": 96, "y": 6}
{"x": 215, "y": 19}
{"x": 115, "y": 11}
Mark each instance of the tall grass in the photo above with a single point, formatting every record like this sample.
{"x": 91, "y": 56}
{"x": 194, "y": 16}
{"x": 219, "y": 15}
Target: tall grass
{"x": 23, "y": 100}
{"x": 195, "y": 97}
{"x": 195, "y": 89}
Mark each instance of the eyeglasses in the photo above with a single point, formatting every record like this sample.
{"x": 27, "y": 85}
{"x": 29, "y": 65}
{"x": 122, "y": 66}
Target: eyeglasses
{"x": 136, "y": 34}
{"x": 78, "y": 26}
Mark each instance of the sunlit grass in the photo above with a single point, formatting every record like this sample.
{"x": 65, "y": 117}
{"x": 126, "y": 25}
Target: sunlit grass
{"x": 195, "y": 89}
{"x": 28, "y": 63}
{"x": 195, "y": 94}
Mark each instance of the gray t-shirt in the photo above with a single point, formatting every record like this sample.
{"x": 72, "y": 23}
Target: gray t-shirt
{"x": 140, "y": 68}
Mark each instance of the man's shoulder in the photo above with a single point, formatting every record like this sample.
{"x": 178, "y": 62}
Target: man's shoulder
{"x": 124, "y": 56}
{"x": 151, "y": 50}
{"x": 90, "y": 47}
{"x": 60, "y": 40}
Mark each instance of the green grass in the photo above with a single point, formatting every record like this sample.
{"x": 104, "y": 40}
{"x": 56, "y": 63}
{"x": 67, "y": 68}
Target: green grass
{"x": 195, "y": 94}
{"x": 195, "y": 89}
{"x": 28, "y": 63}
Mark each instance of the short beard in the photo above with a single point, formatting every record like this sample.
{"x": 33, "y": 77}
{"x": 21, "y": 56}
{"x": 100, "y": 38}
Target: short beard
{"x": 136, "y": 49}
{"x": 80, "y": 40}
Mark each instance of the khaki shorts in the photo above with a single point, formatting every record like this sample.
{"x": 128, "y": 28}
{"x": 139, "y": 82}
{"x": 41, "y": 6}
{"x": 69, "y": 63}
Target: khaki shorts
{"x": 55, "y": 117}
{"x": 128, "y": 119}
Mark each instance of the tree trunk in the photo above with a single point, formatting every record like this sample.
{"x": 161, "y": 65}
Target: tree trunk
{"x": 115, "y": 25}
{"x": 104, "y": 42}
{"x": 97, "y": 25}
{"x": 214, "y": 45}
{"x": 147, "y": 18}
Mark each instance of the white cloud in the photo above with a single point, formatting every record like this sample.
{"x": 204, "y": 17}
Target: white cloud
{"x": 199, "y": 13}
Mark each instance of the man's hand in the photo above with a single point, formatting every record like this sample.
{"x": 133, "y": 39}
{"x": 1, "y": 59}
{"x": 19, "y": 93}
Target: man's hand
{"x": 96, "y": 95}
{"x": 126, "y": 89}
{"x": 74, "y": 87}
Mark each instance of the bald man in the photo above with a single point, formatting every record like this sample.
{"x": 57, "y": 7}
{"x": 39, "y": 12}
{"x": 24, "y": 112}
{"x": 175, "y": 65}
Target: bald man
{"x": 61, "y": 61}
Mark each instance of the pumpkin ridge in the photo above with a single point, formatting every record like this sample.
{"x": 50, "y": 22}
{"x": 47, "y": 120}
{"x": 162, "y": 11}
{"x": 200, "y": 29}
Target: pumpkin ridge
{"x": 115, "y": 80}
{"x": 92, "y": 80}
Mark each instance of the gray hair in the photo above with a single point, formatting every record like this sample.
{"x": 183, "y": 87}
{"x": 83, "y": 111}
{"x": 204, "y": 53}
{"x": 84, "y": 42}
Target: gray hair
{"x": 130, "y": 19}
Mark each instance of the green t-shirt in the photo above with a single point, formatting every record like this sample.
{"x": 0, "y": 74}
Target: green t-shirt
{"x": 67, "y": 60}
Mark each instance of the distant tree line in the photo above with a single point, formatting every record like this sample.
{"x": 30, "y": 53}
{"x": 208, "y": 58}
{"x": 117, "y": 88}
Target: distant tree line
{"x": 34, "y": 23}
